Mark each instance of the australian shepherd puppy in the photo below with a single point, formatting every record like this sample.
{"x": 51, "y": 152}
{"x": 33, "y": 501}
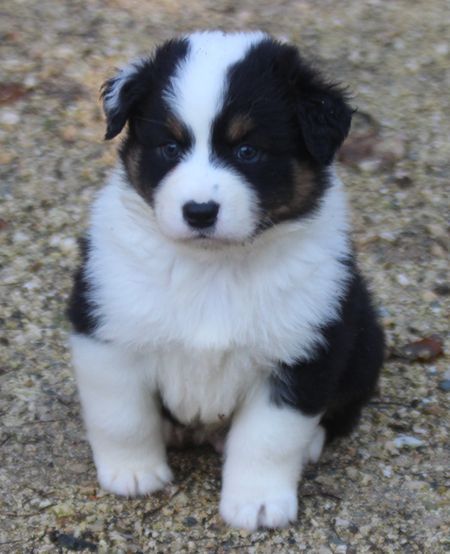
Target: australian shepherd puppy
{"x": 218, "y": 294}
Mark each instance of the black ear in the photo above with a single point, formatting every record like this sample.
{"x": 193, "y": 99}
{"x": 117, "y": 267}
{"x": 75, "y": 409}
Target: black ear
{"x": 321, "y": 108}
{"x": 121, "y": 94}
{"x": 324, "y": 118}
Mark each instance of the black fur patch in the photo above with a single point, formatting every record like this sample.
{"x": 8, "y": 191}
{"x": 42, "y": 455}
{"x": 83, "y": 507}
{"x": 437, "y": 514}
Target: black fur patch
{"x": 80, "y": 309}
{"x": 150, "y": 129}
{"x": 150, "y": 122}
{"x": 343, "y": 374}
{"x": 149, "y": 79}
{"x": 294, "y": 119}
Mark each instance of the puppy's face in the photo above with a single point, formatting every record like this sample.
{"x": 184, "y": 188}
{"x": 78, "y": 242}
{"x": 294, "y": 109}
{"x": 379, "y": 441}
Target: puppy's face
{"x": 227, "y": 134}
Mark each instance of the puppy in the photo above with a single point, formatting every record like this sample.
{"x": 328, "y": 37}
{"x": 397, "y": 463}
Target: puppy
{"x": 218, "y": 293}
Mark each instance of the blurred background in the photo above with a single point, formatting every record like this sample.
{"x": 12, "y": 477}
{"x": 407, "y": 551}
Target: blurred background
{"x": 385, "y": 489}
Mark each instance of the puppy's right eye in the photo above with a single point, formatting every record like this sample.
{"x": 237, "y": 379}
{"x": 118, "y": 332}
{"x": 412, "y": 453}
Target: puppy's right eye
{"x": 171, "y": 151}
{"x": 247, "y": 153}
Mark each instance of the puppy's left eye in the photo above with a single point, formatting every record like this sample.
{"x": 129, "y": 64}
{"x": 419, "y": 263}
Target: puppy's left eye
{"x": 247, "y": 153}
{"x": 171, "y": 151}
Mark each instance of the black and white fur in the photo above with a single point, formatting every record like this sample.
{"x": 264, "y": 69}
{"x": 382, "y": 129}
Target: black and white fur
{"x": 218, "y": 292}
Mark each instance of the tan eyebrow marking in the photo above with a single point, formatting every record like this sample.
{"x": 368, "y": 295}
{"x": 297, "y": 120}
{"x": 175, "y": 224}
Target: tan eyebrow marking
{"x": 175, "y": 127}
{"x": 239, "y": 126}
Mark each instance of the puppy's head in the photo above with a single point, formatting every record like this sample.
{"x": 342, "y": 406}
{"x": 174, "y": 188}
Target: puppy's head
{"x": 228, "y": 134}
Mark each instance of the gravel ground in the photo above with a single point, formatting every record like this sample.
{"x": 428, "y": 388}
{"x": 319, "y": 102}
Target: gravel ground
{"x": 383, "y": 490}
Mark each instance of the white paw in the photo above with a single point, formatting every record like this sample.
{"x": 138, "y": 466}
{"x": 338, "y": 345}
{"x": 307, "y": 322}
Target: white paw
{"x": 272, "y": 510}
{"x": 316, "y": 445}
{"x": 133, "y": 481}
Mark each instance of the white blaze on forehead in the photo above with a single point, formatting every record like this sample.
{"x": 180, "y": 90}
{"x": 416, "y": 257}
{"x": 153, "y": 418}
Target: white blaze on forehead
{"x": 196, "y": 90}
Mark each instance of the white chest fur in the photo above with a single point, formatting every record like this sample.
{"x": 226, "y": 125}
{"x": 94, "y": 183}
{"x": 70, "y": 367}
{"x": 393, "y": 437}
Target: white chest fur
{"x": 204, "y": 386}
{"x": 213, "y": 318}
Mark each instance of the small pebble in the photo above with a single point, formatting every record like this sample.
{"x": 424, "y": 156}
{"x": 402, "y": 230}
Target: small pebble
{"x": 78, "y": 468}
{"x": 190, "y": 521}
{"x": 442, "y": 48}
{"x": 428, "y": 296}
{"x": 442, "y": 289}
{"x": 402, "y": 279}
{"x": 444, "y": 385}
{"x": 9, "y": 118}
{"x": 408, "y": 441}
{"x": 339, "y": 522}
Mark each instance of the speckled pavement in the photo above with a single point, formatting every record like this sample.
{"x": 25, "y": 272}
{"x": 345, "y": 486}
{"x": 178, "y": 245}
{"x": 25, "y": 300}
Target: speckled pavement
{"x": 383, "y": 490}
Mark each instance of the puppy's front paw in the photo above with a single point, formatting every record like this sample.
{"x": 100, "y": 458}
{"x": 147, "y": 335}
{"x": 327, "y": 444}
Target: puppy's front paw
{"x": 133, "y": 481}
{"x": 261, "y": 509}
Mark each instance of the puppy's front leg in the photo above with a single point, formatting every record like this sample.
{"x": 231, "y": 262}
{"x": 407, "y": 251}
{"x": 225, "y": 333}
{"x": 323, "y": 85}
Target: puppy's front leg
{"x": 122, "y": 418}
{"x": 266, "y": 450}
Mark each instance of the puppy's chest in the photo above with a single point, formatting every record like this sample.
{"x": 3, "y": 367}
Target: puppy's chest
{"x": 204, "y": 387}
{"x": 210, "y": 308}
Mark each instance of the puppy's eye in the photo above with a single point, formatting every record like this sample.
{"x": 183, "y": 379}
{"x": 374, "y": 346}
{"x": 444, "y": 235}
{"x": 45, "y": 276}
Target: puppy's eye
{"x": 171, "y": 151}
{"x": 247, "y": 153}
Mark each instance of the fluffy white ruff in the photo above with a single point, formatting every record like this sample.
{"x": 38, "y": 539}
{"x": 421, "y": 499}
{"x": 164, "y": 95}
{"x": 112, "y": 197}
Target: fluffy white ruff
{"x": 266, "y": 296}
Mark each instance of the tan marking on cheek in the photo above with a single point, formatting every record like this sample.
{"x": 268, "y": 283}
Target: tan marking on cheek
{"x": 239, "y": 126}
{"x": 132, "y": 165}
{"x": 175, "y": 127}
{"x": 304, "y": 182}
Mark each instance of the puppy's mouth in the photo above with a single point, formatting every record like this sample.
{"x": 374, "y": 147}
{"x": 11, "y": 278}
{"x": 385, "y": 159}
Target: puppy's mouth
{"x": 205, "y": 234}
{"x": 209, "y": 239}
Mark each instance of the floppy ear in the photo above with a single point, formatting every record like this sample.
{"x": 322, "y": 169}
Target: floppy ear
{"x": 321, "y": 109}
{"x": 122, "y": 92}
{"x": 324, "y": 118}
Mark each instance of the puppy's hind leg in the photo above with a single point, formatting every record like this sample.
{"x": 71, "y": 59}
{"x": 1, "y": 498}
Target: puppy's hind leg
{"x": 122, "y": 418}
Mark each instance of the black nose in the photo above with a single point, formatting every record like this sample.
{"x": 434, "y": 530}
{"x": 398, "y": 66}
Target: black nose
{"x": 200, "y": 215}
